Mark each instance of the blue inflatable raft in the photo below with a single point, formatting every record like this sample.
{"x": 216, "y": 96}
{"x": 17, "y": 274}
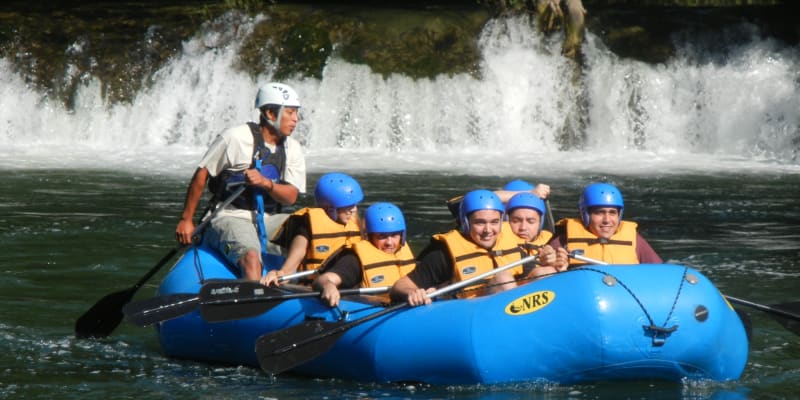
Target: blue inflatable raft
{"x": 588, "y": 324}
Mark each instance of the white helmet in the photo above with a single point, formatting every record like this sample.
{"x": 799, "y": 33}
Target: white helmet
{"x": 277, "y": 94}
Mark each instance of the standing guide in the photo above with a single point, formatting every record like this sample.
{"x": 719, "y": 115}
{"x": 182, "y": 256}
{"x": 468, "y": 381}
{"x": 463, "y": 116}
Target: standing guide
{"x": 262, "y": 156}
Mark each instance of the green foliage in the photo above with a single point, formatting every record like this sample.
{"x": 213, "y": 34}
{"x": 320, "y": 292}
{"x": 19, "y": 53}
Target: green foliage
{"x": 248, "y": 6}
{"x": 507, "y": 7}
{"x": 57, "y": 49}
{"x": 290, "y": 41}
{"x": 300, "y": 40}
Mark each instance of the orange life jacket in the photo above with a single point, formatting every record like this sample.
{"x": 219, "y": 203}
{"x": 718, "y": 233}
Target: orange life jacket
{"x": 619, "y": 249}
{"x": 380, "y": 268}
{"x": 327, "y": 236}
{"x": 530, "y": 247}
{"x": 470, "y": 260}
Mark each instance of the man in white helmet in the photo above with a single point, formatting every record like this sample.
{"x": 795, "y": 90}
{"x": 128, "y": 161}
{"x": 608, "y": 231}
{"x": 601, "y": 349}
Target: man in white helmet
{"x": 262, "y": 156}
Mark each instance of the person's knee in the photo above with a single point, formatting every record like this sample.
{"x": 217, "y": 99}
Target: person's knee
{"x": 251, "y": 259}
{"x": 251, "y": 264}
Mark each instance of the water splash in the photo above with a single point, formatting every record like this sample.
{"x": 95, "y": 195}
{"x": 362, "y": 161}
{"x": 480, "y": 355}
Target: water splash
{"x": 735, "y": 106}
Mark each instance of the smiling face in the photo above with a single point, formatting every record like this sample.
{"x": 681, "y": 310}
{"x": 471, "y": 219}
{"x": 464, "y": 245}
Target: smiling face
{"x": 525, "y": 223}
{"x": 603, "y": 221}
{"x": 484, "y": 227}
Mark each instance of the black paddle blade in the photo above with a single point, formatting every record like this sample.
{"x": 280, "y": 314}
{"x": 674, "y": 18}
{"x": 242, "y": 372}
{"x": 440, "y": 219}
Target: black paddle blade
{"x": 161, "y": 308}
{"x": 787, "y": 314}
{"x": 285, "y": 349}
{"x": 787, "y": 309}
{"x": 104, "y": 316}
{"x": 231, "y": 300}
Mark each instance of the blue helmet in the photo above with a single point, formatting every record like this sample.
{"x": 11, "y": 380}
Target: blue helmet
{"x": 599, "y": 195}
{"x": 385, "y": 218}
{"x": 527, "y": 200}
{"x": 518, "y": 185}
{"x": 337, "y": 190}
{"x": 477, "y": 200}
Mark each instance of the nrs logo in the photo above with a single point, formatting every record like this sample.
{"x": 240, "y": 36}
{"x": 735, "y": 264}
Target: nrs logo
{"x": 531, "y": 302}
{"x": 469, "y": 270}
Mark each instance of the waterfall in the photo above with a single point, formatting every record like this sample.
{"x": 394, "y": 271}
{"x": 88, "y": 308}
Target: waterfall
{"x": 713, "y": 105}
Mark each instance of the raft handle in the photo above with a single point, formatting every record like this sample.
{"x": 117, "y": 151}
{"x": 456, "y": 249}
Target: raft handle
{"x": 659, "y": 333}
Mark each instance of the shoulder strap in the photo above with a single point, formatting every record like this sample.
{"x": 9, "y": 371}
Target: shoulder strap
{"x": 258, "y": 141}
{"x": 277, "y": 158}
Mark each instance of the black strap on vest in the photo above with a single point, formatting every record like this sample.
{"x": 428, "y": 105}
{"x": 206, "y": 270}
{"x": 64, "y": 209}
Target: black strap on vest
{"x": 398, "y": 263}
{"x": 491, "y": 253}
{"x": 529, "y": 247}
{"x": 345, "y": 234}
{"x": 600, "y": 241}
{"x": 277, "y": 158}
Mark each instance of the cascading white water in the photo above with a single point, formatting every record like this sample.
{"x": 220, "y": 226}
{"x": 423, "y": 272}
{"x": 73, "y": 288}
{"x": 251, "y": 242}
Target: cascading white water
{"x": 739, "y": 108}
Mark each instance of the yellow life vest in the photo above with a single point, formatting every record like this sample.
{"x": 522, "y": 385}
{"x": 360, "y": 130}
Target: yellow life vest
{"x": 619, "y": 249}
{"x": 380, "y": 268}
{"x": 327, "y": 236}
{"x": 470, "y": 260}
{"x": 532, "y": 247}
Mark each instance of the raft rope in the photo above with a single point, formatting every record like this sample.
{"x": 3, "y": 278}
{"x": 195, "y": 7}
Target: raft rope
{"x": 197, "y": 266}
{"x": 658, "y": 333}
{"x": 677, "y": 295}
{"x": 212, "y": 204}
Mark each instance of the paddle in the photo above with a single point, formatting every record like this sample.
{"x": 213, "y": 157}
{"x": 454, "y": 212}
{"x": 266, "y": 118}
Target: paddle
{"x": 162, "y": 308}
{"x": 550, "y": 221}
{"x": 285, "y": 349}
{"x": 779, "y": 312}
{"x": 105, "y": 315}
{"x": 787, "y": 314}
{"x": 219, "y": 303}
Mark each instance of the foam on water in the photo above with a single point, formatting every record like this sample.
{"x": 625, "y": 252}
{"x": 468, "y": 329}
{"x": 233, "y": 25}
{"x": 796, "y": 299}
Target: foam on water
{"x": 734, "y": 109}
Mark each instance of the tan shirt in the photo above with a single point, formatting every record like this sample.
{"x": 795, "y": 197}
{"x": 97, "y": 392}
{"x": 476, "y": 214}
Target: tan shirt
{"x": 233, "y": 150}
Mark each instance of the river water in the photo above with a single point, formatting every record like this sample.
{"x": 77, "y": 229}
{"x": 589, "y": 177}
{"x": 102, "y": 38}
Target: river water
{"x": 704, "y": 149}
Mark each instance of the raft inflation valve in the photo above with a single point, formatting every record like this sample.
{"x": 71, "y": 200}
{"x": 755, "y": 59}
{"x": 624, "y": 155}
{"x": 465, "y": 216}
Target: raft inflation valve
{"x": 701, "y": 313}
{"x": 609, "y": 280}
{"x": 691, "y": 278}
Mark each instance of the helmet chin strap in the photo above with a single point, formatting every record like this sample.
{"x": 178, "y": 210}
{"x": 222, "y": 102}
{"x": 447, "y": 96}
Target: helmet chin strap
{"x": 331, "y": 211}
{"x": 277, "y": 124}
